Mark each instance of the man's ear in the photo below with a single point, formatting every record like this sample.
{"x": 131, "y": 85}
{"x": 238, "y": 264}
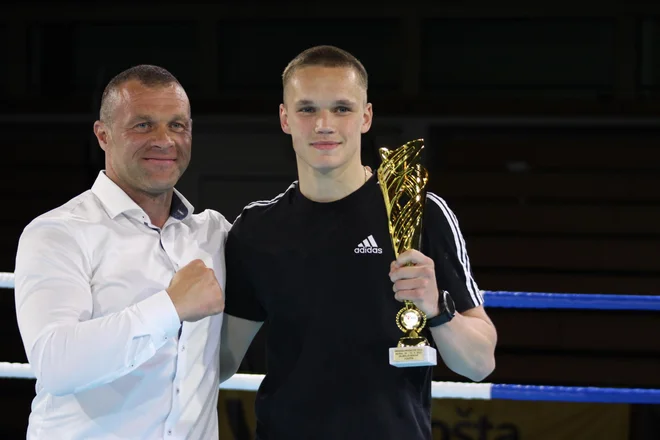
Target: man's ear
{"x": 102, "y": 134}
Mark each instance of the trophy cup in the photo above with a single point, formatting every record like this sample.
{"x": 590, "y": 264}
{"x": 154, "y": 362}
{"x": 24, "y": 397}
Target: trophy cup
{"x": 402, "y": 181}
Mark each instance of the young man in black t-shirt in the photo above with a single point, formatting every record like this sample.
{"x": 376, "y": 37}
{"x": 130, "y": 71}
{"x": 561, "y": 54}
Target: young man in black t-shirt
{"x": 316, "y": 262}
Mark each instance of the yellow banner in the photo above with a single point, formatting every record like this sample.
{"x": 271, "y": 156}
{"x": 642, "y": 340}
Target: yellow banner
{"x": 519, "y": 420}
{"x": 474, "y": 420}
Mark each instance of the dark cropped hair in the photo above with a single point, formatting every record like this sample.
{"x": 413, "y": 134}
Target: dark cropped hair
{"x": 150, "y": 76}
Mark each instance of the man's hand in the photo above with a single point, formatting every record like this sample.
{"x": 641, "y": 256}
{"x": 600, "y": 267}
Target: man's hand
{"x": 195, "y": 292}
{"x": 413, "y": 275}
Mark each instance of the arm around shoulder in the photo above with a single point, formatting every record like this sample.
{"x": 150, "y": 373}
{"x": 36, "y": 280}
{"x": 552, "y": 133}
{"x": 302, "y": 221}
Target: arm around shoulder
{"x": 237, "y": 335}
{"x": 244, "y": 312}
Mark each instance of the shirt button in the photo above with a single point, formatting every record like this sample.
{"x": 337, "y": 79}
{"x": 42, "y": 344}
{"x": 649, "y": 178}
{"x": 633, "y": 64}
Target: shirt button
{"x": 169, "y": 432}
{"x": 177, "y": 391}
{"x": 183, "y": 348}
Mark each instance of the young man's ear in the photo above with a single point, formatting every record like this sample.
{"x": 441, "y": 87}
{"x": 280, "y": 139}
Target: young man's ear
{"x": 367, "y": 117}
{"x": 284, "y": 119}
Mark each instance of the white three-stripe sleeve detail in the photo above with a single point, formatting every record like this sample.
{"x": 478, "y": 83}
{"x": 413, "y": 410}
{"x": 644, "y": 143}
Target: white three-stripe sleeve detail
{"x": 267, "y": 202}
{"x": 461, "y": 249}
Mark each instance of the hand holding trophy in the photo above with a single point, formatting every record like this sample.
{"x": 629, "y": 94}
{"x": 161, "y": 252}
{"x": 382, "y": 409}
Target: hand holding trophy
{"x": 402, "y": 180}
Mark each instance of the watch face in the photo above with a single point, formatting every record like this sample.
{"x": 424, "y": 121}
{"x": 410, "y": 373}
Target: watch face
{"x": 449, "y": 303}
{"x": 447, "y": 310}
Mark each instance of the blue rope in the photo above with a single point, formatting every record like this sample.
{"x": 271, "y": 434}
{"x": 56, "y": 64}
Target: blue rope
{"x": 575, "y": 394}
{"x": 537, "y": 300}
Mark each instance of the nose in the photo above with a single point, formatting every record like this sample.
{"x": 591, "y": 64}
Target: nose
{"x": 324, "y": 123}
{"x": 163, "y": 138}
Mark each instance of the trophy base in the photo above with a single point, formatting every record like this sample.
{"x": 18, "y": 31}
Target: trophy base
{"x": 420, "y": 356}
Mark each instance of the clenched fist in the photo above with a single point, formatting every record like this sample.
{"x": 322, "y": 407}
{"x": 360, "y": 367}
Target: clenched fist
{"x": 195, "y": 292}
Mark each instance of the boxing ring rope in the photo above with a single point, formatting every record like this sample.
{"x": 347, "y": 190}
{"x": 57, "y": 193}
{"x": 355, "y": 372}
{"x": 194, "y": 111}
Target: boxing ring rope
{"x": 6, "y": 280}
{"x": 590, "y": 301}
{"x": 480, "y": 391}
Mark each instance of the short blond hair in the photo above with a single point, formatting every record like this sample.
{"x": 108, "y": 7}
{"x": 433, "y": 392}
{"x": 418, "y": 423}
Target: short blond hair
{"x": 325, "y": 56}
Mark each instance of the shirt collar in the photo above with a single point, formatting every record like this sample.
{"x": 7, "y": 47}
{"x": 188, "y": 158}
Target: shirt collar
{"x": 116, "y": 201}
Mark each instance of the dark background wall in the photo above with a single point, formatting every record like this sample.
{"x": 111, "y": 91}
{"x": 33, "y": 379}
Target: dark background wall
{"x": 541, "y": 124}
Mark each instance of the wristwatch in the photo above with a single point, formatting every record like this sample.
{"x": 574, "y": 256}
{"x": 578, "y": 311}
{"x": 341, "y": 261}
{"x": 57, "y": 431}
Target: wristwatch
{"x": 447, "y": 310}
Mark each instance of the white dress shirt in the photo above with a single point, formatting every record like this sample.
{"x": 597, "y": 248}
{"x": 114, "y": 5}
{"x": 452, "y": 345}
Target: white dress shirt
{"x": 101, "y": 332}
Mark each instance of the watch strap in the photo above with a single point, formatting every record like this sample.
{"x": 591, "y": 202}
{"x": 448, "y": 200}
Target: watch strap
{"x": 447, "y": 310}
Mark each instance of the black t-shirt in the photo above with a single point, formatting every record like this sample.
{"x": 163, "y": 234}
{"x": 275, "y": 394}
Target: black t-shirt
{"x": 318, "y": 274}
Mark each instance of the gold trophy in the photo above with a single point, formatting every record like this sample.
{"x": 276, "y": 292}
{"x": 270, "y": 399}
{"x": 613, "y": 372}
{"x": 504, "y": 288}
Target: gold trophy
{"x": 402, "y": 181}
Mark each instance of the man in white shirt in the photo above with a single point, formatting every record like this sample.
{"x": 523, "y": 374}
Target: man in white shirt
{"x": 119, "y": 291}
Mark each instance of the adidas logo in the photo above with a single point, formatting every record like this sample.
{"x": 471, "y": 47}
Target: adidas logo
{"x": 368, "y": 246}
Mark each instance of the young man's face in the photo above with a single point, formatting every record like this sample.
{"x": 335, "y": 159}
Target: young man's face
{"x": 325, "y": 111}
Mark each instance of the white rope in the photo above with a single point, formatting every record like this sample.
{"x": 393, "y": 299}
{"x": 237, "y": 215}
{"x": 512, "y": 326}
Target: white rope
{"x": 15, "y": 370}
{"x": 6, "y": 280}
{"x": 251, "y": 382}
{"x": 242, "y": 382}
{"x": 459, "y": 390}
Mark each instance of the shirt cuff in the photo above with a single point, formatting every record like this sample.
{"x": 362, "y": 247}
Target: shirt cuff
{"x": 159, "y": 313}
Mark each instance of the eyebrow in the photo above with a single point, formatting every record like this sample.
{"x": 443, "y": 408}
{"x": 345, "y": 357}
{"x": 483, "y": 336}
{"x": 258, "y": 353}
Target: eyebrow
{"x": 136, "y": 118}
{"x": 345, "y": 102}
{"x": 181, "y": 117}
